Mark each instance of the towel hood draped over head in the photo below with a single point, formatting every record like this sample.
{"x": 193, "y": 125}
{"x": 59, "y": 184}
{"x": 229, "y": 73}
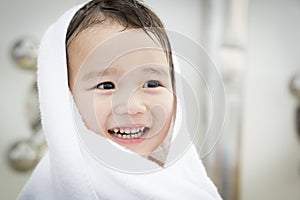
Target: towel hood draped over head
{"x": 70, "y": 171}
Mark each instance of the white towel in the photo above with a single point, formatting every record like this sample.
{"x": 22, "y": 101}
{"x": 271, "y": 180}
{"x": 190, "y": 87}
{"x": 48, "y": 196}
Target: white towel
{"x": 70, "y": 171}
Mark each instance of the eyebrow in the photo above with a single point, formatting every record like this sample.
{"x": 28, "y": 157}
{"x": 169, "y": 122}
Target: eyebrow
{"x": 99, "y": 73}
{"x": 107, "y": 72}
{"x": 155, "y": 71}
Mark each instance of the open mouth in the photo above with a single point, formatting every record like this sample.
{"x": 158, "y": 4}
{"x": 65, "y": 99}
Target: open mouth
{"x": 128, "y": 133}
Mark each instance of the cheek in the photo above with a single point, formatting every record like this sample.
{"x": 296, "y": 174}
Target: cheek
{"x": 162, "y": 110}
{"x": 101, "y": 111}
{"x": 162, "y": 105}
{"x": 94, "y": 111}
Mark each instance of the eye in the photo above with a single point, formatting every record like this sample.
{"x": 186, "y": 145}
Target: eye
{"x": 152, "y": 84}
{"x": 106, "y": 86}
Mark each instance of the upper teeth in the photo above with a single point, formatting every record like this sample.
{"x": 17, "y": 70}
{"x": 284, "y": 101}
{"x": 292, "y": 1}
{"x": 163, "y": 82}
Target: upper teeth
{"x": 128, "y": 130}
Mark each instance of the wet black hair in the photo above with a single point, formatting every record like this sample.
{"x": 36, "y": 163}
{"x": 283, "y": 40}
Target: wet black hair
{"x": 129, "y": 14}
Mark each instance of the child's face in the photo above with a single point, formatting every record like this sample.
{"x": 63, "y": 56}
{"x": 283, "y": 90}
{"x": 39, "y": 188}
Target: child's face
{"x": 130, "y": 100}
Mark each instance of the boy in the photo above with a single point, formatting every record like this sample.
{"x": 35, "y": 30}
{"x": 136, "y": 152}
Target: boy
{"x": 129, "y": 98}
{"x": 115, "y": 58}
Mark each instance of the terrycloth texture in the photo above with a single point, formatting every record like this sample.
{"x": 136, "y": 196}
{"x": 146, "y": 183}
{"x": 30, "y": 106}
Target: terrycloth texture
{"x": 70, "y": 171}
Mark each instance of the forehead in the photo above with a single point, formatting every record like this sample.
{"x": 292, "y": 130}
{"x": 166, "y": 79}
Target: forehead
{"x": 103, "y": 46}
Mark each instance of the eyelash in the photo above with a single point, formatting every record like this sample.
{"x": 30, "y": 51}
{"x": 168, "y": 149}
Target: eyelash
{"x": 155, "y": 82}
{"x": 111, "y": 86}
{"x": 101, "y": 86}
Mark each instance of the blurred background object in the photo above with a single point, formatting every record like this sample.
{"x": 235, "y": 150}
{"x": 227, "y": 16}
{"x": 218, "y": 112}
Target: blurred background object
{"x": 25, "y": 153}
{"x": 254, "y": 43}
{"x": 24, "y": 53}
{"x": 21, "y": 140}
{"x": 295, "y": 90}
{"x": 295, "y": 85}
{"x": 225, "y": 35}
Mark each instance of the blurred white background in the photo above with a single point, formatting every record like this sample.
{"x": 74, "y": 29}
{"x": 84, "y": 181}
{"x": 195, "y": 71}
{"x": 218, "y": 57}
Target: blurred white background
{"x": 269, "y": 149}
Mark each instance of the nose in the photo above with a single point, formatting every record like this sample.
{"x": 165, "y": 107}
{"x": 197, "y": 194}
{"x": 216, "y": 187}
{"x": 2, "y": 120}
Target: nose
{"x": 130, "y": 104}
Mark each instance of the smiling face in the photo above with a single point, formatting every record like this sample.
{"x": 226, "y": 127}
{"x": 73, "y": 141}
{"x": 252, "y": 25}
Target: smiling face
{"x": 122, "y": 86}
